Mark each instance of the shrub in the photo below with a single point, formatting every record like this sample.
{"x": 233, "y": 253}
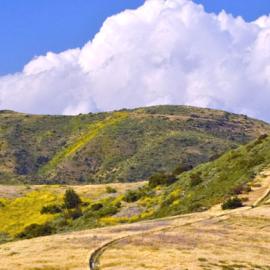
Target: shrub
{"x": 96, "y": 206}
{"x": 99, "y": 210}
{"x": 108, "y": 210}
{"x": 71, "y": 199}
{"x": 157, "y": 179}
{"x": 232, "y": 203}
{"x": 41, "y": 160}
{"x": 170, "y": 179}
{"x": 82, "y": 179}
{"x": 132, "y": 196}
{"x": 195, "y": 179}
{"x": 118, "y": 204}
{"x": 167, "y": 202}
{"x": 35, "y": 230}
{"x": 160, "y": 179}
{"x": 74, "y": 213}
{"x": 51, "y": 209}
{"x": 111, "y": 190}
{"x": 182, "y": 168}
{"x": 84, "y": 204}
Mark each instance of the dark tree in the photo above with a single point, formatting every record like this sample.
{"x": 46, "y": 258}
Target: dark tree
{"x": 232, "y": 203}
{"x": 71, "y": 199}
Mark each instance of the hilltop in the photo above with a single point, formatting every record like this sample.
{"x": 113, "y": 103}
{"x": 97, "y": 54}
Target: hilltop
{"x": 122, "y": 146}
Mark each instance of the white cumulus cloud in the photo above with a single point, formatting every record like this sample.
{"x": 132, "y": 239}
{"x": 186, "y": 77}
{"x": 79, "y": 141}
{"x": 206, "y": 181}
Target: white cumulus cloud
{"x": 164, "y": 52}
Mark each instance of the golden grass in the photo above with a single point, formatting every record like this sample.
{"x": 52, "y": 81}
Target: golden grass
{"x": 185, "y": 241}
{"x": 214, "y": 239}
{"x": 214, "y": 243}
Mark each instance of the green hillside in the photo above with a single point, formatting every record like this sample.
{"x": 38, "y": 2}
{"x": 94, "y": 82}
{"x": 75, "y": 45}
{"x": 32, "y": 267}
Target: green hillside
{"x": 214, "y": 182}
{"x": 123, "y": 146}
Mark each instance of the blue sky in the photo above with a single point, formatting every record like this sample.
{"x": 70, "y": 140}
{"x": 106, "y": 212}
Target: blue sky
{"x": 29, "y": 28}
{"x": 153, "y": 55}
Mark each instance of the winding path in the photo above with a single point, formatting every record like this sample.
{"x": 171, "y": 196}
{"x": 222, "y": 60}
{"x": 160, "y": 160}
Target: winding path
{"x": 94, "y": 261}
{"x": 97, "y": 253}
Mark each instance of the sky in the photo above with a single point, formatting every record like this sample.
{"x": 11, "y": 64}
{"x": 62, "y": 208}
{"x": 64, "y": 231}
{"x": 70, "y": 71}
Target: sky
{"x": 31, "y": 28}
{"x": 42, "y": 26}
{"x": 67, "y": 57}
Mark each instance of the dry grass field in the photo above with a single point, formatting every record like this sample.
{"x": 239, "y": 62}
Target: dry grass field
{"x": 236, "y": 241}
{"x": 215, "y": 239}
{"x": 71, "y": 251}
{"x": 89, "y": 191}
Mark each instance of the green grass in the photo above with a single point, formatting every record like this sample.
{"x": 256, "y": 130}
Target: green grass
{"x": 80, "y": 141}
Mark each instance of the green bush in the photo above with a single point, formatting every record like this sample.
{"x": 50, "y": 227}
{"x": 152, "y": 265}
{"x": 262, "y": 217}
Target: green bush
{"x": 51, "y": 209}
{"x": 71, "y": 199}
{"x": 118, "y": 205}
{"x": 108, "y": 210}
{"x": 36, "y": 230}
{"x": 132, "y": 196}
{"x": 110, "y": 190}
{"x": 161, "y": 179}
{"x": 96, "y": 206}
{"x": 99, "y": 210}
{"x": 182, "y": 168}
{"x": 232, "y": 203}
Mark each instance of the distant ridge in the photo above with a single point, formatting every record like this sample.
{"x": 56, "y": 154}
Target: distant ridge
{"x": 127, "y": 145}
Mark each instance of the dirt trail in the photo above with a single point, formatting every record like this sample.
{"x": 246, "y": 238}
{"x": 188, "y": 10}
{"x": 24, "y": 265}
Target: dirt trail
{"x": 258, "y": 196}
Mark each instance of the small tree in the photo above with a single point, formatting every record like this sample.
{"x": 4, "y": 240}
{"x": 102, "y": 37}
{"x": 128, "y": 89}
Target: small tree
{"x": 71, "y": 199}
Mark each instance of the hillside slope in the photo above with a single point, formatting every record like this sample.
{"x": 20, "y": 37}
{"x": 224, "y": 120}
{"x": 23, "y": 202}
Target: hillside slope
{"x": 237, "y": 239}
{"x": 211, "y": 183}
{"x": 239, "y": 172}
{"x": 128, "y": 145}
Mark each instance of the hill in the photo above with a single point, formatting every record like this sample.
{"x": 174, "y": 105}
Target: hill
{"x": 233, "y": 174}
{"x": 123, "y": 146}
{"x": 239, "y": 174}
